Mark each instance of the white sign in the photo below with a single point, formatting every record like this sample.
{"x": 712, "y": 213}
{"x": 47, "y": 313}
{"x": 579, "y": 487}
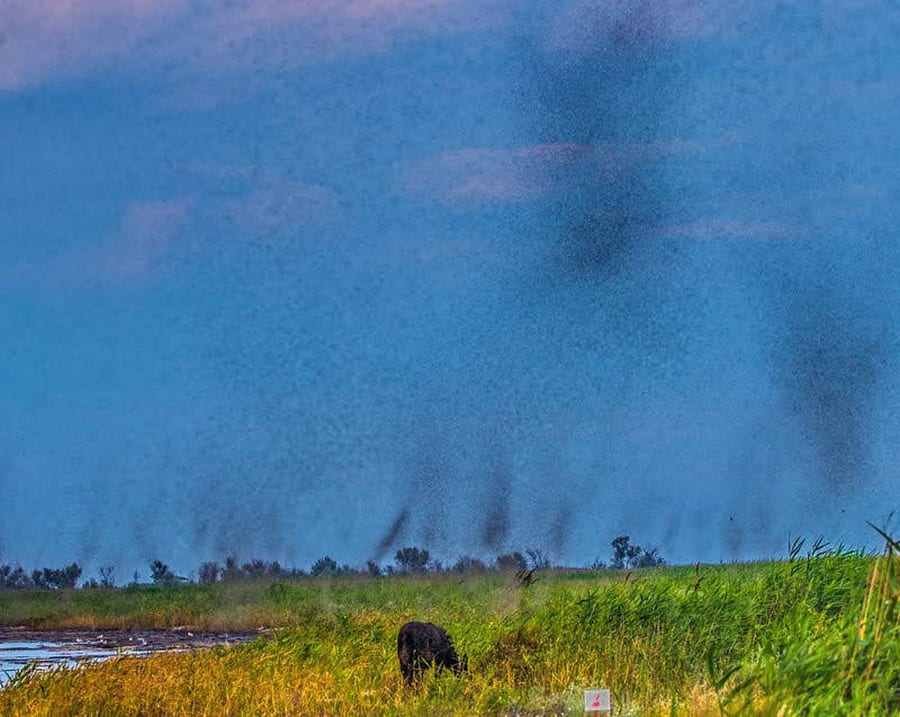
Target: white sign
{"x": 597, "y": 701}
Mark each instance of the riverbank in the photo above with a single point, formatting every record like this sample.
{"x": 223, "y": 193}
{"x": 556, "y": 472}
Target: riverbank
{"x": 24, "y": 649}
{"x": 812, "y": 635}
{"x": 178, "y": 638}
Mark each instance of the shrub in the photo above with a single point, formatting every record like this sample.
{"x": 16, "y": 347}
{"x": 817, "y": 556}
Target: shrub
{"x": 160, "y": 573}
{"x": 511, "y": 562}
{"x": 412, "y": 560}
{"x": 467, "y": 564}
{"x": 56, "y": 578}
{"x": 626, "y": 555}
{"x": 14, "y": 578}
{"x": 210, "y": 572}
{"x": 325, "y": 567}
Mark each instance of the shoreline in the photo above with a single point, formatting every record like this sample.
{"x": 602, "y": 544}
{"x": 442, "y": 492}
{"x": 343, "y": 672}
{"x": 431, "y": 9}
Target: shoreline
{"x": 184, "y": 638}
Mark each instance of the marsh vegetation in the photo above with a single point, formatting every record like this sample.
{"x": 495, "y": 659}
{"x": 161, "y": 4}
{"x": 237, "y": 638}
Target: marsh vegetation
{"x": 816, "y": 634}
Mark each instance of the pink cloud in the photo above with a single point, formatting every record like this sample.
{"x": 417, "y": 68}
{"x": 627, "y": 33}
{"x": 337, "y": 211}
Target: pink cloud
{"x": 279, "y": 34}
{"x": 410, "y": 12}
{"x": 283, "y": 206}
{"x": 149, "y": 237}
{"x": 494, "y": 174}
{"x": 155, "y": 237}
{"x": 44, "y": 39}
{"x": 433, "y": 15}
{"x": 146, "y": 240}
{"x": 530, "y": 172}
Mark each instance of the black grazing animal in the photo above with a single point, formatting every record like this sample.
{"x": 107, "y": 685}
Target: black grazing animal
{"x": 421, "y": 645}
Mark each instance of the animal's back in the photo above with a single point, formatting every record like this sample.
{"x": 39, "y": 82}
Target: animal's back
{"x": 421, "y": 645}
{"x": 422, "y": 633}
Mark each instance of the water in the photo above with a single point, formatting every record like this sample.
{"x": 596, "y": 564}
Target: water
{"x": 61, "y": 650}
{"x": 46, "y": 655}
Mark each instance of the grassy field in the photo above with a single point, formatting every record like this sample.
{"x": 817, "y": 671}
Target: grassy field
{"x": 815, "y": 635}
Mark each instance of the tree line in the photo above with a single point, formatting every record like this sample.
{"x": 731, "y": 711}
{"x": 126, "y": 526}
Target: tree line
{"x": 409, "y": 560}
{"x": 46, "y": 578}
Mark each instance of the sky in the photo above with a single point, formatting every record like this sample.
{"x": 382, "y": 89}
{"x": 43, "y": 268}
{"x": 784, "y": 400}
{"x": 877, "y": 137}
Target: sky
{"x": 288, "y": 278}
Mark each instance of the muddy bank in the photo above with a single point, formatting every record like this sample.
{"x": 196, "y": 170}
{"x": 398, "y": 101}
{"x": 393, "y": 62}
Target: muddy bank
{"x": 22, "y": 647}
{"x": 178, "y": 638}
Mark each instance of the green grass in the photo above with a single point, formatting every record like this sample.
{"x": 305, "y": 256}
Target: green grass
{"x": 814, "y": 636}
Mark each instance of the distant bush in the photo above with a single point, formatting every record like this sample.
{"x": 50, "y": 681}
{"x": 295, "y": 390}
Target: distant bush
{"x": 14, "y": 578}
{"x": 467, "y": 564}
{"x": 258, "y": 569}
{"x": 209, "y": 572}
{"x": 212, "y": 572}
{"x": 412, "y": 560}
{"x": 106, "y": 581}
{"x": 626, "y": 555}
{"x": 231, "y": 572}
{"x": 511, "y": 562}
{"x": 107, "y": 576}
{"x": 537, "y": 559}
{"x": 325, "y": 567}
{"x": 56, "y": 578}
{"x": 160, "y": 573}
{"x": 648, "y": 559}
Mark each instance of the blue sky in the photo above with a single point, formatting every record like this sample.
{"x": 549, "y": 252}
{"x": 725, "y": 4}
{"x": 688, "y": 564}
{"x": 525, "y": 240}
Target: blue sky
{"x": 277, "y": 278}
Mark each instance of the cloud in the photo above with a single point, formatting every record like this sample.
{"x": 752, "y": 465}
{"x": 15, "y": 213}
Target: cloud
{"x": 42, "y": 40}
{"x": 428, "y": 15}
{"x": 532, "y": 171}
{"x": 149, "y": 231}
{"x": 494, "y": 174}
{"x": 274, "y": 35}
{"x": 150, "y": 236}
{"x": 281, "y": 206}
{"x": 154, "y": 237}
